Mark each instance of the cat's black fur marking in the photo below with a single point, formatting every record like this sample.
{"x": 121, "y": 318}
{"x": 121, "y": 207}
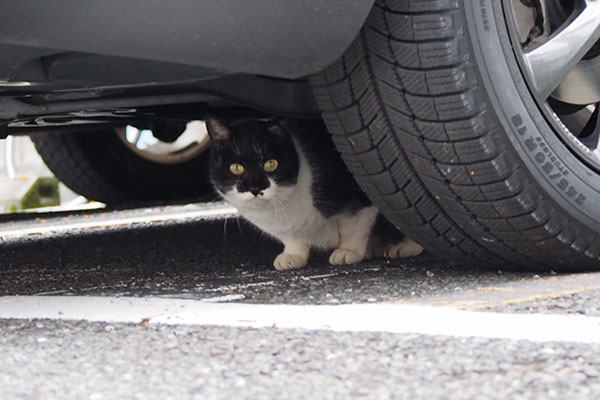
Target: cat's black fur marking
{"x": 384, "y": 232}
{"x": 333, "y": 189}
{"x": 251, "y": 143}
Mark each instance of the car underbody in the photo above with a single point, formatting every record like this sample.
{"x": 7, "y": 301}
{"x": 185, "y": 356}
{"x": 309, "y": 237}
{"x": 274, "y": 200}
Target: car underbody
{"x": 112, "y": 61}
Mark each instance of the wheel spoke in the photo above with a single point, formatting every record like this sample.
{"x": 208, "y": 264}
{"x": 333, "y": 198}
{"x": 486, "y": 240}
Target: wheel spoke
{"x": 595, "y": 132}
{"x": 582, "y": 85}
{"x": 552, "y": 61}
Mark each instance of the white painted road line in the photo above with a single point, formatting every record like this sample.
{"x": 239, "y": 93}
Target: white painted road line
{"x": 392, "y": 318}
{"x": 116, "y": 222}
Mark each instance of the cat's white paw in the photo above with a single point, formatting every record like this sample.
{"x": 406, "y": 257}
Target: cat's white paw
{"x": 405, "y": 248}
{"x": 345, "y": 256}
{"x": 285, "y": 261}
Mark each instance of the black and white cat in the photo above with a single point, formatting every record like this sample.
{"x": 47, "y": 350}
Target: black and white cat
{"x": 286, "y": 178}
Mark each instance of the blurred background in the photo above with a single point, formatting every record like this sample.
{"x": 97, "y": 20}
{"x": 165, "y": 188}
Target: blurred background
{"x": 157, "y": 164}
{"x": 27, "y": 184}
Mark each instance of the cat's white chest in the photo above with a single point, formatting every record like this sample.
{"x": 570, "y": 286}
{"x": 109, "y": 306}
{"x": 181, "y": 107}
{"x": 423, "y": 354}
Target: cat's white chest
{"x": 299, "y": 219}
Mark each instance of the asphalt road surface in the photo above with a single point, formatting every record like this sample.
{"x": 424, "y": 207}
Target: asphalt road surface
{"x": 183, "y": 302}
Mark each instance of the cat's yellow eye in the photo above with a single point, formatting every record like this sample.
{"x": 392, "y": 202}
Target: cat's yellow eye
{"x": 236, "y": 169}
{"x": 270, "y": 165}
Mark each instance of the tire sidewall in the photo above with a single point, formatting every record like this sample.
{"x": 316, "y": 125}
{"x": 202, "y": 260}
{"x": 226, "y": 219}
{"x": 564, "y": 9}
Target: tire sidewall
{"x": 565, "y": 179}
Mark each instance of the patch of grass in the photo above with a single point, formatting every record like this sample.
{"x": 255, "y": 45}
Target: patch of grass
{"x": 43, "y": 193}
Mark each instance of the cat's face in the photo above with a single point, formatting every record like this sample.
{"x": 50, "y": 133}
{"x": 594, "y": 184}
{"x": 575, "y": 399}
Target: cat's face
{"x": 253, "y": 163}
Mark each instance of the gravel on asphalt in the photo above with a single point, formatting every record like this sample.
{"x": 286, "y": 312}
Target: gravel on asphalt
{"x": 71, "y": 360}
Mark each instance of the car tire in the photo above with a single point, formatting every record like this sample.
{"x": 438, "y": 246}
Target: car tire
{"x": 434, "y": 117}
{"x": 100, "y": 166}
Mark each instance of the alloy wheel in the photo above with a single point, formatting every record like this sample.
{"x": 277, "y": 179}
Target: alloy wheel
{"x": 557, "y": 43}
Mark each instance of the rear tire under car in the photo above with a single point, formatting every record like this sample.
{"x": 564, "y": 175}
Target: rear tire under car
{"x": 438, "y": 119}
{"x": 101, "y": 166}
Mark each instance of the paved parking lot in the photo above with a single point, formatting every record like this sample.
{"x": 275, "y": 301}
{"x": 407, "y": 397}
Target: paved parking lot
{"x": 182, "y": 301}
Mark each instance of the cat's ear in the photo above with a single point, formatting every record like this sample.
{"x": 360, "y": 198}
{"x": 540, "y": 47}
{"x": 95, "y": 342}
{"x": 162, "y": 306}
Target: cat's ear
{"x": 278, "y": 126}
{"x": 217, "y": 130}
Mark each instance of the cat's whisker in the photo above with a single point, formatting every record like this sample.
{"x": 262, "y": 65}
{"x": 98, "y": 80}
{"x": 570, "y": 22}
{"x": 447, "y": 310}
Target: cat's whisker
{"x": 236, "y": 148}
{"x": 239, "y": 225}
{"x": 225, "y": 228}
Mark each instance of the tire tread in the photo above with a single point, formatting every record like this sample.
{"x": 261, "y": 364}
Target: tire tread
{"x": 411, "y": 92}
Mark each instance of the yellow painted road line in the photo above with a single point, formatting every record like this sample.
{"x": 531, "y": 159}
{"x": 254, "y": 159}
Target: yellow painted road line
{"x": 524, "y": 291}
